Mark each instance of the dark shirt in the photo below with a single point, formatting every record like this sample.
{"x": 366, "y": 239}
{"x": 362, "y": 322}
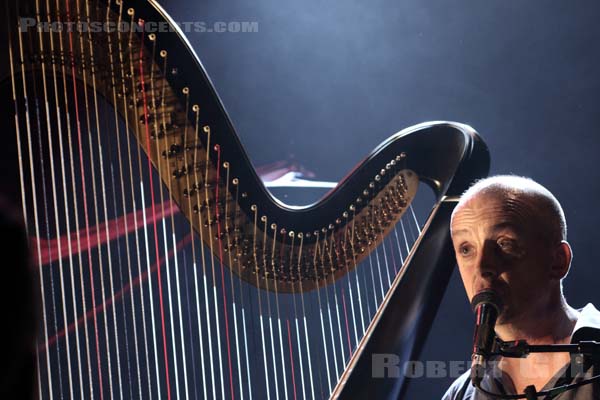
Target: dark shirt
{"x": 586, "y": 328}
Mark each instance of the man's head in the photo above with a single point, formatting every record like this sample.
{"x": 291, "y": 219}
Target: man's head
{"x": 509, "y": 234}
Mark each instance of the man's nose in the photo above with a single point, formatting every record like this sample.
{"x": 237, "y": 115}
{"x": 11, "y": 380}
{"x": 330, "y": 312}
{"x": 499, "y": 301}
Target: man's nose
{"x": 488, "y": 267}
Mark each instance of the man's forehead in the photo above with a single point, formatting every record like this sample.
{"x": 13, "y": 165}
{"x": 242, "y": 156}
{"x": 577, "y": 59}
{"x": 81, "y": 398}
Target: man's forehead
{"x": 492, "y": 227}
{"x": 495, "y": 211}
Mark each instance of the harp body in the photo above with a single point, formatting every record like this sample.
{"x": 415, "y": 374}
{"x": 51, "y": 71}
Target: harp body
{"x": 166, "y": 268}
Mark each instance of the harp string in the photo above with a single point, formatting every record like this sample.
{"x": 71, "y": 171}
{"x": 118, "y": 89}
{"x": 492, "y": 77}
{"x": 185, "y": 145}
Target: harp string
{"x": 291, "y": 357}
{"x": 335, "y": 300}
{"x": 262, "y": 330}
{"x": 308, "y": 353}
{"x": 104, "y": 204}
{"x": 55, "y": 196}
{"x": 152, "y": 117}
{"x": 277, "y": 316}
{"x": 22, "y": 181}
{"x": 347, "y": 327}
{"x": 220, "y": 244}
{"x": 33, "y": 196}
{"x": 233, "y": 297}
{"x": 131, "y": 55}
{"x": 86, "y": 215}
{"x": 350, "y": 227}
{"x": 46, "y": 225}
{"x": 295, "y": 317}
{"x": 350, "y": 346}
{"x": 244, "y": 329}
{"x": 362, "y": 272}
{"x": 129, "y": 162}
{"x": 291, "y": 309}
{"x": 349, "y": 275}
{"x": 124, "y": 211}
{"x": 326, "y": 290}
{"x": 75, "y": 202}
{"x": 199, "y": 184}
{"x": 209, "y": 222}
{"x": 172, "y": 220}
{"x": 86, "y": 69}
{"x": 301, "y": 295}
{"x": 155, "y": 227}
{"x": 391, "y": 248}
{"x": 243, "y": 306}
{"x": 333, "y": 249}
{"x": 63, "y": 168}
{"x": 277, "y": 309}
{"x": 386, "y": 266}
{"x": 320, "y": 309}
{"x": 195, "y": 108}
{"x": 349, "y": 280}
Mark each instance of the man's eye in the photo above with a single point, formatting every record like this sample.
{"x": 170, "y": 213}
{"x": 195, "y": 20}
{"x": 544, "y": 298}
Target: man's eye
{"x": 465, "y": 250}
{"x": 507, "y": 245}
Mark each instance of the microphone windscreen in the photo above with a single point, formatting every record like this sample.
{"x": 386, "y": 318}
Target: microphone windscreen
{"x": 487, "y": 296}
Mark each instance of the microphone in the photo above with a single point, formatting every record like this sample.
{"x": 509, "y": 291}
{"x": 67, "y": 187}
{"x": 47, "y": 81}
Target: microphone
{"x": 486, "y": 305}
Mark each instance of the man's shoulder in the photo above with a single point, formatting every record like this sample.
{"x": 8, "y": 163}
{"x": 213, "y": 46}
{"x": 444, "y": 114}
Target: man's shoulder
{"x": 461, "y": 388}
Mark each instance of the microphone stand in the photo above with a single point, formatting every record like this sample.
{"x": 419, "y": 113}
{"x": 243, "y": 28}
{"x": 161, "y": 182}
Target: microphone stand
{"x": 520, "y": 349}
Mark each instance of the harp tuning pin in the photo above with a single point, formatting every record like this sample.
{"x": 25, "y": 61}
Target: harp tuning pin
{"x": 308, "y": 234}
{"x": 377, "y": 179}
{"x": 382, "y": 172}
{"x": 338, "y": 221}
{"x": 291, "y": 234}
{"x": 352, "y": 207}
{"x": 196, "y": 108}
{"x": 324, "y": 230}
{"x": 371, "y": 185}
{"x": 225, "y": 165}
{"x": 316, "y": 232}
{"x": 185, "y": 90}
{"x": 253, "y": 207}
{"x": 300, "y": 235}
{"x": 393, "y": 162}
{"x": 130, "y": 11}
{"x": 174, "y": 70}
{"x": 152, "y": 37}
{"x": 330, "y": 226}
{"x": 345, "y": 213}
{"x": 282, "y": 231}
{"x": 273, "y": 226}
{"x": 163, "y": 54}
{"x": 388, "y": 166}
{"x": 365, "y": 192}
{"x": 119, "y": 2}
{"x": 244, "y": 195}
{"x": 216, "y": 147}
{"x": 359, "y": 200}
{"x": 263, "y": 218}
{"x": 206, "y": 129}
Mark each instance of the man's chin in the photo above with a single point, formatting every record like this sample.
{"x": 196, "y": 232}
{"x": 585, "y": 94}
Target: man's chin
{"x": 505, "y": 318}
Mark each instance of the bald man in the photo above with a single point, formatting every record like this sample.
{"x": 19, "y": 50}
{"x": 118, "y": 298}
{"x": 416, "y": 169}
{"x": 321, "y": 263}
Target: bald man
{"x": 509, "y": 235}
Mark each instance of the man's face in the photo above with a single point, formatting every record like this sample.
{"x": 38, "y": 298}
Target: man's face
{"x": 499, "y": 245}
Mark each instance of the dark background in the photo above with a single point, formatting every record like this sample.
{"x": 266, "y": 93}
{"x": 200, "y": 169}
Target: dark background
{"x": 325, "y": 82}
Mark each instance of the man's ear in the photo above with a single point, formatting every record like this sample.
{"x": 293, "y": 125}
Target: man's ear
{"x": 561, "y": 262}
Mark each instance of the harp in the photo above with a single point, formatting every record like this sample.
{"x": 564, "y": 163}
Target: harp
{"x": 166, "y": 268}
